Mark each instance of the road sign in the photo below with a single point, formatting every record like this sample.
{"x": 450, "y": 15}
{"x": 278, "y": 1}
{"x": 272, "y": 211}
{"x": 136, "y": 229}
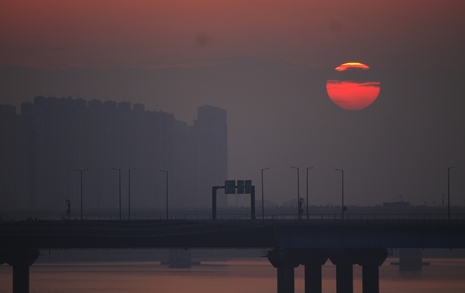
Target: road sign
{"x": 230, "y": 187}
{"x": 248, "y": 186}
{"x": 243, "y": 186}
{"x": 240, "y": 186}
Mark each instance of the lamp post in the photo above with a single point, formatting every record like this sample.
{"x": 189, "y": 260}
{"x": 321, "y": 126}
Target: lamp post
{"x": 81, "y": 170}
{"x": 342, "y": 211}
{"x": 263, "y": 197}
{"x": 298, "y": 192}
{"x": 448, "y": 192}
{"x": 308, "y": 168}
{"x": 119, "y": 180}
{"x": 166, "y": 192}
{"x": 129, "y": 199}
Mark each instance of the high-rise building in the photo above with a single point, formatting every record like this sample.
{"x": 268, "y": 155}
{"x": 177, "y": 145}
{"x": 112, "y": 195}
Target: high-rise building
{"x": 209, "y": 153}
{"x": 10, "y": 185}
{"x": 55, "y": 137}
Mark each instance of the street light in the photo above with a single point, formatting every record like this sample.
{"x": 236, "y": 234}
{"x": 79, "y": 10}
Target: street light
{"x": 342, "y": 212}
{"x": 129, "y": 200}
{"x": 448, "y": 192}
{"x": 166, "y": 192}
{"x": 81, "y": 170}
{"x": 119, "y": 172}
{"x": 298, "y": 192}
{"x": 308, "y": 168}
{"x": 263, "y": 197}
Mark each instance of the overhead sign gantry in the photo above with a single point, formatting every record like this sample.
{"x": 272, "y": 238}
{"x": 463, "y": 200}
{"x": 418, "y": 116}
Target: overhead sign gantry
{"x": 235, "y": 187}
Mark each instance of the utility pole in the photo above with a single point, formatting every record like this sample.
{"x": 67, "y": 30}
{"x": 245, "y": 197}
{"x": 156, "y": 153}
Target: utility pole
{"x": 166, "y": 192}
{"x": 129, "y": 197}
{"x": 263, "y": 197}
{"x": 119, "y": 172}
{"x": 343, "y": 208}
{"x": 81, "y": 170}
{"x": 308, "y": 168}
{"x": 298, "y": 193}
{"x": 448, "y": 192}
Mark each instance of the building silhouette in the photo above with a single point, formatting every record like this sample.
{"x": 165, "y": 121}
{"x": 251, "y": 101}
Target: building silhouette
{"x": 10, "y": 159}
{"x": 54, "y": 136}
{"x": 209, "y": 152}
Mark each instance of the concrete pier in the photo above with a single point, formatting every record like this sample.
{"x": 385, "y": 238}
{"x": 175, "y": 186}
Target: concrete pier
{"x": 20, "y": 260}
{"x": 313, "y": 259}
{"x": 410, "y": 259}
{"x": 180, "y": 258}
{"x": 285, "y": 263}
{"x": 344, "y": 261}
{"x": 370, "y": 260}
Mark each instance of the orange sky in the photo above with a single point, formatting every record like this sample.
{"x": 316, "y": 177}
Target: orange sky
{"x": 275, "y": 59}
{"x": 154, "y": 33}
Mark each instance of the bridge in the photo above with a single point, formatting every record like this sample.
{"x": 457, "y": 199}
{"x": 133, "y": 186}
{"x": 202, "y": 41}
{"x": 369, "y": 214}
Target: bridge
{"x": 291, "y": 242}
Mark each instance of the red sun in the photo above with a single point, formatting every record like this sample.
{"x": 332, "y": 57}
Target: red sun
{"x": 352, "y": 93}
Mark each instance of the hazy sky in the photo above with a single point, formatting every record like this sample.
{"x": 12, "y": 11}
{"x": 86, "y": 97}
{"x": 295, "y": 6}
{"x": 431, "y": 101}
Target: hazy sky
{"x": 267, "y": 62}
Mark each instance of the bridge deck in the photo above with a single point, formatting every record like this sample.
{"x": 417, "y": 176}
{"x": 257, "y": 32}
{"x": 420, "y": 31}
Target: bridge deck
{"x": 233, "y": 234}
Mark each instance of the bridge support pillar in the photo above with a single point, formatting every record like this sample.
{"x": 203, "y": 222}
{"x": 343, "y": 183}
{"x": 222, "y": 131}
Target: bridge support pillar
{"x": 180, "y": 258}
{"x": 20, "y": 260}
{"x": 344, "y": 278}
{"x": 370, "y": 278}
{"x": 410, "y": 259}
{"x": 285, "y": 279}
{"x": 313, "y": 259}
{"x": 371, "y": 260}
{"x": 344, "y": 262}
{"x": 285, "y": 263}
{"x": 20, "y": 278}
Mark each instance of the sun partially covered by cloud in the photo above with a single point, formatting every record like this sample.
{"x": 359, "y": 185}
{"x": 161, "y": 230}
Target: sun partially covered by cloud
{"x": 351, "y": 95}
{"x": 354, "y": 89}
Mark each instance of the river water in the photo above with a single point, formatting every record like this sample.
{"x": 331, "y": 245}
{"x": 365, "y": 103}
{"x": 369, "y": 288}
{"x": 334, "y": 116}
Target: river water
{"x": 225, "y": 276}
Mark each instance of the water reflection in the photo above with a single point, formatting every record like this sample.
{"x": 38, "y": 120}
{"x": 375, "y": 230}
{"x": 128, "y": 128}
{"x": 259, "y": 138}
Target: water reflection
{"x": 231, "y": 276}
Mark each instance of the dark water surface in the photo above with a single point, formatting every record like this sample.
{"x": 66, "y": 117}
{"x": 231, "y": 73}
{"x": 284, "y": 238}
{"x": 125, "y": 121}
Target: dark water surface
{"x": 225, "y": 276}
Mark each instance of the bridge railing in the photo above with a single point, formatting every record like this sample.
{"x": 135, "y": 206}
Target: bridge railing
{"x": 347, "y": 217}
{"x": 242, "y": 216}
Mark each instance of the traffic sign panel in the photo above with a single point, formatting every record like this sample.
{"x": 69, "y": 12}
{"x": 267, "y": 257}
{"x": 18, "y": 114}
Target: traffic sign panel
{"x": 230, "y": 187}
{"x": 248, "y": 186}
{"x": 240, "y": 186}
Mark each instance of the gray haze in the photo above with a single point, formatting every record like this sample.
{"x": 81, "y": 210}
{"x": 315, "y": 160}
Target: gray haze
{"x": 279, "y": 115}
